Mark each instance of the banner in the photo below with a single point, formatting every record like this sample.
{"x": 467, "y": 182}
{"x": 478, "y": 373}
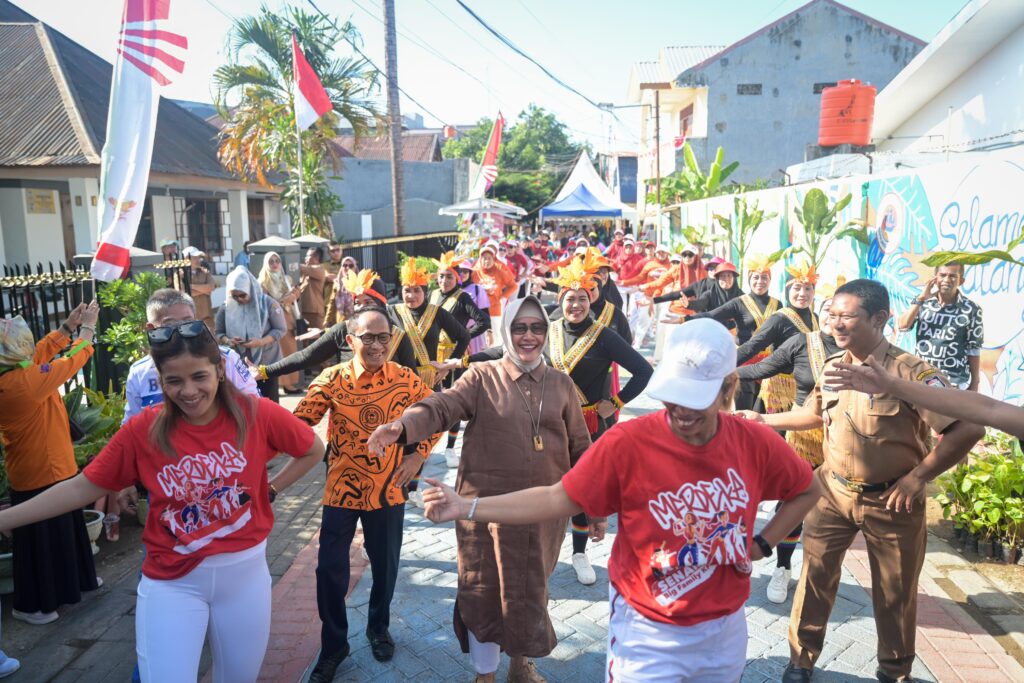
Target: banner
{"x": 148, "y": 56}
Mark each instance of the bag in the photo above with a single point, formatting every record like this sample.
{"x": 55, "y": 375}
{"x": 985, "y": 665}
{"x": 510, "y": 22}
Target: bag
{"x": 301, "y": 326}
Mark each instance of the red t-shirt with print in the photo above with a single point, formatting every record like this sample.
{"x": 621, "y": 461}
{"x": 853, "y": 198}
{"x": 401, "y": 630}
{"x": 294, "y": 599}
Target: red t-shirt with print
{"x": 211, "y": 499}
{"x": 686, "y": 513}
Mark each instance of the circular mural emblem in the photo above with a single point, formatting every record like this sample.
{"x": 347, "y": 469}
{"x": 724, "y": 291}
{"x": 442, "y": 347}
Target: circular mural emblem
{"x": 371, "y": 417}
{"x": 889, "y": 231}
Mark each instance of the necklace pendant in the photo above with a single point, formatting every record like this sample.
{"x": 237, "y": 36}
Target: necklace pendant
{"x": 538, "y": 443}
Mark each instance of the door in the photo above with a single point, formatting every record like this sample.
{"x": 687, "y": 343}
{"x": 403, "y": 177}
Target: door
{"x": 68, "y": 224}
{"x": 257, "y": 222}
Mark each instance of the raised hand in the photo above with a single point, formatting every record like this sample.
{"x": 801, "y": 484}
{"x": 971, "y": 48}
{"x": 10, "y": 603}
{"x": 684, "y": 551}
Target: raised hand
{"x": 74, "y": 318}
{"x": 91, "y": 313}
{"x": 869, "y": 378}
{"x": 383, "y": 436}
{"x": 442, "y": 504}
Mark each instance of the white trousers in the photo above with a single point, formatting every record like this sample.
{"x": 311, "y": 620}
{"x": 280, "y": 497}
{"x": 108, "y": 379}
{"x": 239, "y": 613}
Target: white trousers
{"x": 484, "y": 656}
{"x": 496, "y": 330}
{"x": 661, "y": 329}
{"x": 227, "y": 595}
{"x": 641, "y": 650}
{"x": 641, "y": 322}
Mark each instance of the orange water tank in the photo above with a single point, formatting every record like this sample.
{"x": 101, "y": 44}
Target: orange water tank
{"x": 847, "y": 112}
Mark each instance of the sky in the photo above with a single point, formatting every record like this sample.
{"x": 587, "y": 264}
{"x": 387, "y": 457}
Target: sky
{"x": 589, "y": 44}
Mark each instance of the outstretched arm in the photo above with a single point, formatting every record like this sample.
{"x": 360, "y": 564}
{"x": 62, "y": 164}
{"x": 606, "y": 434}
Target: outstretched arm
{"x": 970, "y": 406}
{"x": 528, "y": 506}
{"x": 66, "y": 496}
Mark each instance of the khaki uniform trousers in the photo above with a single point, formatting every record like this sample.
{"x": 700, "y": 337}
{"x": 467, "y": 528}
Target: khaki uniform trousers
{"x": 896, "y": 548}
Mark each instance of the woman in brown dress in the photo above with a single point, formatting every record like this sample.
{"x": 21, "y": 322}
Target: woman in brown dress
{"x": 525, "y": 429}
{"x": 278, "y": 284}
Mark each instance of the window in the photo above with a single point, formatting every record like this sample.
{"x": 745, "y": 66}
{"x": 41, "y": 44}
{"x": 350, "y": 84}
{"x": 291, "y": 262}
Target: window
{"x": 144, "y": 238}
{"x": 202, "y": 216}
{"x": 818, "y": 87}
{"x": 686, "y": 121}
{"x": 748, "y": 88}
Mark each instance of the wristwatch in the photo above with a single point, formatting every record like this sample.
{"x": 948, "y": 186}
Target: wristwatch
{"x": 766, "y": 550}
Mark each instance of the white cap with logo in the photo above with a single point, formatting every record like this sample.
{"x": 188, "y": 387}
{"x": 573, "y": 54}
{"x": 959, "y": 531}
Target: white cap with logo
{"x": 698, "y": 356}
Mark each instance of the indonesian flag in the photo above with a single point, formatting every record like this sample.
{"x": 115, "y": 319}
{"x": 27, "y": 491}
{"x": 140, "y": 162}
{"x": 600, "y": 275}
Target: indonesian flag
{"x": 148, "y": 57}
{"x": 489, "y": 169}
{"x": 311, "y": 100}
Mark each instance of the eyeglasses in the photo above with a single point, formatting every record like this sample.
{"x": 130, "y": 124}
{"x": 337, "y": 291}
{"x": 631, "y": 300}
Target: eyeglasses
{"x": 687, "y": 254}
{"x": 241, "y": 296}
{"x": 383, "y": 338}
{"x": 522, "y": 328}
{"x": 185, "y": 330}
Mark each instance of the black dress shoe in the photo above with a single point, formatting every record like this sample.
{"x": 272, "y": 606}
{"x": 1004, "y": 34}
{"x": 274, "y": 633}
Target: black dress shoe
{"x": 381, "y": 645}
{"x": 326, "y": 665}
{"x": 886, "y": 678}
{"x": 795, "y": 674}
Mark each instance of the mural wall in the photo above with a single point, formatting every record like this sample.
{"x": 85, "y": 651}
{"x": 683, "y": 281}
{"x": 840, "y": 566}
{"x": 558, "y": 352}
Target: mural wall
{"x": 967, "y": 206}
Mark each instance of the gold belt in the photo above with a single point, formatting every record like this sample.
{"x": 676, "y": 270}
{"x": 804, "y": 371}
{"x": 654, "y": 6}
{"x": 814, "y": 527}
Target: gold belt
{"x": 444, "y": 350}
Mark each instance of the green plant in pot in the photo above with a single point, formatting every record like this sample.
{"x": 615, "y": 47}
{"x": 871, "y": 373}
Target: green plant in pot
{"x": 99, "y": 417}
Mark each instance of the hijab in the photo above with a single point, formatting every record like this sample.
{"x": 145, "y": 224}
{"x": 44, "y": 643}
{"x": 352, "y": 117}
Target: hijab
{"x": 248, "y": 320}
{"x": 276, "y": 283}
{"x": 16, "y": 342}
{"x": 528, "y": 306}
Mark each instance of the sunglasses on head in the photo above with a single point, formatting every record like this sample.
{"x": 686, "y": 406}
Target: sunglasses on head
{"x": 523, "y": 328}
{"x": 185, "y": 330}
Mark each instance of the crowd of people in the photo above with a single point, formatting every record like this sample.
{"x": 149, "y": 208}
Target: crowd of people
{"x": 520, "y": 342}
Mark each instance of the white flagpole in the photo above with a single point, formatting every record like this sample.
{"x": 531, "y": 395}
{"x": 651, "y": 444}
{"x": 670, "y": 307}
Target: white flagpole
{"x": 302, "y": 202}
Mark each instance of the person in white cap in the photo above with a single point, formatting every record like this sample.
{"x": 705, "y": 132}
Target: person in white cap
{"x": 497, "y": 281}
{"x": 679, "y": 570}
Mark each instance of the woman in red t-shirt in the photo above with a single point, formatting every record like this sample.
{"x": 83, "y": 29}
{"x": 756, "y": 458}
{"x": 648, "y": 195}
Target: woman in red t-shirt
{"x": 202, "y": 455}
{"x": 679, "y": 570}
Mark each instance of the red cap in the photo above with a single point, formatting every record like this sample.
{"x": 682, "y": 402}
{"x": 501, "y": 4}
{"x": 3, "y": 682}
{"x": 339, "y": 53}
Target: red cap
{"x": 725, "y": 267}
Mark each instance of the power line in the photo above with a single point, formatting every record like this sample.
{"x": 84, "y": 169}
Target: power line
{"x": 512, "y": 46}
{"x": 382, "y": 72}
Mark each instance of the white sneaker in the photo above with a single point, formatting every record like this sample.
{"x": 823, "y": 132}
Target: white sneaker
{"x": 8, "y": 665}
{"x": 35, "y": 618}
{"x": 778, "y": 587}
{"x": 451, "y": 458}
{"x": 416, "y": 498}
{"x": 584, "y": 572}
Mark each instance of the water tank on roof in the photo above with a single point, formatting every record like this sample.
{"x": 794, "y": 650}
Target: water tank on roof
{"x": 847, "y": 112}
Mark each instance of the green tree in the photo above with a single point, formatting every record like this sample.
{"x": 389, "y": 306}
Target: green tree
{"x": 819, "y": 222}
{"x": 691, "y": 183}
{"x": 741, "y": 227}
{"x": 254, "y": 97}
{"x": 535, "y": 155}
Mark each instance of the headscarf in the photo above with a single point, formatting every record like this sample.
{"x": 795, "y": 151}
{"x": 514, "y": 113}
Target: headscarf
{"x": 518, "y": 308}
{"x": 275, "y": 283}
{"x": 16, "y": 342}
{"x": 247, "y": 320}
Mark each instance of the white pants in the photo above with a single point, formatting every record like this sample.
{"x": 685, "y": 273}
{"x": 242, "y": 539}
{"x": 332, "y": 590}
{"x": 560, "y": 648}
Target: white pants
{"x": 227, "y": 594}
{"x": 641, "y": 322}
{"x": 484, "y": 656}
{"x": 496, "y": 330}
{"x": 642, "y": 650}
{"x": 661, "y": 329}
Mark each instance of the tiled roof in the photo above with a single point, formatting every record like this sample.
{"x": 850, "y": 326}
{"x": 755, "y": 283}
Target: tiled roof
{"x": 414, "y": 147}
{"x": 54, "y": 96}
{"x": 677, "y": 59}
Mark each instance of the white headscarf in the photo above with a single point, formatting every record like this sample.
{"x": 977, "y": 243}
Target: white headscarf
{"x": 16, "y": 342}
{"x": 519, "y": 308}
{"x": 276, "y": 283}
{"x": 248, "y": 320}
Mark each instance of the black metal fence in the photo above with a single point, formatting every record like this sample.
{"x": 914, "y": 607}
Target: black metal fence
{"x": 382, "y": 254}
{"x": 44, "y": 296}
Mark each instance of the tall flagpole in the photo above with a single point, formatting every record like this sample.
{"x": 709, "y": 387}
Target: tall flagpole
{"x": 298, "y": 135}
{"x": 302, "y": 201}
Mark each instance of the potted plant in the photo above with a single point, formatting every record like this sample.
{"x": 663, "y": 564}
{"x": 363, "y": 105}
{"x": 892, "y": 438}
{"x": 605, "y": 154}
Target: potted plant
{"x": 99, "y": 417}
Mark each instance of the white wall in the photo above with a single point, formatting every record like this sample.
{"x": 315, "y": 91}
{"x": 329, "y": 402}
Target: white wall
{"x": 986, "y": 101}
{"x": 238, "y": 208}
{"x": 12, "y": 222}
{"x": 85, "y": 217}
{"x": 45, "y": 234}
{"x": 163, "y": 218}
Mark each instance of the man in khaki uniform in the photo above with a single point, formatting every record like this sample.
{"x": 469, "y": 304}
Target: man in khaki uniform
{"x": 311, "y": 287}
{"x": 877, "y": 462}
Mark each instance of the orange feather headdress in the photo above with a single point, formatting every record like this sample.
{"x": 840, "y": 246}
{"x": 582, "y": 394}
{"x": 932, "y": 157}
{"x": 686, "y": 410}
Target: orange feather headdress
{"x": 759, "y": 263}
{"x": 360, "y": 283}
{"x": 413, "y": 276}
{"x": 575, "y": 275}
{"x": 803, "y": 273}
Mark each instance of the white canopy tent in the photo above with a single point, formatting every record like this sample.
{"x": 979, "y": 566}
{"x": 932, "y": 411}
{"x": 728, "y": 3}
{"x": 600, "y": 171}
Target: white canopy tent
{"x": 584, "y": 174}
{"x": 482, "y": 205}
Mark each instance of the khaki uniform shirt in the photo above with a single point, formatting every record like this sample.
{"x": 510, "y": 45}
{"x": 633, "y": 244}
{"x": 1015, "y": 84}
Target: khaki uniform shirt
{"x": 311, "y": 297}
{"x": 877, "y": 438}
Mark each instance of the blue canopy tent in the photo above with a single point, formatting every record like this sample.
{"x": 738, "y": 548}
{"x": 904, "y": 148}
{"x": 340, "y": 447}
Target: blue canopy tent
{"x": 579, "y": 202}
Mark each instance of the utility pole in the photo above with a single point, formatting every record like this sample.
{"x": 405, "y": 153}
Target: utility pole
{"x": 394, "y": 117}
{"x": 657, "y": 160}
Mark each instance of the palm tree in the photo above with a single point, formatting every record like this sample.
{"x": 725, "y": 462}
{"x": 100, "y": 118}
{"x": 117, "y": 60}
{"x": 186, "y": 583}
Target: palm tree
{"x": 254, "y": 97}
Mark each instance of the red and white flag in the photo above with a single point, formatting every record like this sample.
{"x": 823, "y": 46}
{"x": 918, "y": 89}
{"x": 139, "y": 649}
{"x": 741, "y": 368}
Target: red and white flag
{"x": 311, "y": 100}
{"x": 149, "y": 54}
{"x": 489, "y": 168}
